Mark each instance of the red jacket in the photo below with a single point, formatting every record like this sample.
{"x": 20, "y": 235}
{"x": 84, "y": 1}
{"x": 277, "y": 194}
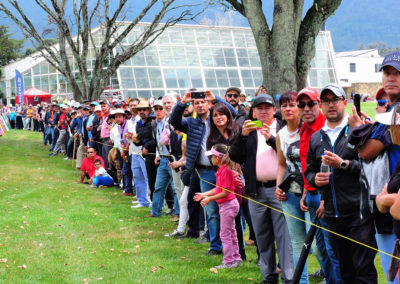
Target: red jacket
{"x": 305, "y": 135}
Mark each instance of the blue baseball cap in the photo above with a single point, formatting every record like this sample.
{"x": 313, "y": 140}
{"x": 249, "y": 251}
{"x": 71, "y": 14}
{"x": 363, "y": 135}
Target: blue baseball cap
{"x": 392, "y": 59}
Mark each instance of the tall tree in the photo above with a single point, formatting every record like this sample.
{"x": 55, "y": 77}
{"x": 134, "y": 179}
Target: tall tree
{"x": 113, "y": 28}
{"x": 287, "y": 47}
{"x": 9, "y": 47}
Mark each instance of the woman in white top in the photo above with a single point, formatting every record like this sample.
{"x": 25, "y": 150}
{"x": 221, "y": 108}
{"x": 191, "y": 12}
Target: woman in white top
{"x": 289, "y": 180}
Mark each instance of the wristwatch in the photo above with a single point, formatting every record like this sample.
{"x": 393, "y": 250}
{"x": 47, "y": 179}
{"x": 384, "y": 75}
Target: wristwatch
{"x": 343, "y": 164}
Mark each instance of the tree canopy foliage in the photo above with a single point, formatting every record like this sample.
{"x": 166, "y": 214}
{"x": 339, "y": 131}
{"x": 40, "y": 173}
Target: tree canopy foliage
{"x": 9, "y": 48}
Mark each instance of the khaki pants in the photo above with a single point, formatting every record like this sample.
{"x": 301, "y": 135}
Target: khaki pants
{"x": 80, "y": 154}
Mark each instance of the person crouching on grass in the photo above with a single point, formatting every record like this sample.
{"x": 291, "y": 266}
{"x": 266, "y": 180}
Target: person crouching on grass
{"x": 101, "y": 178}
{"x": 227, "y": 202}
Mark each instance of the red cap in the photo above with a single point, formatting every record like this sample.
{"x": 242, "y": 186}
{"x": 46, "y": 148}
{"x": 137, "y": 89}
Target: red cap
{"x": 379, "y": 94}
{"x": 309, "y": 92}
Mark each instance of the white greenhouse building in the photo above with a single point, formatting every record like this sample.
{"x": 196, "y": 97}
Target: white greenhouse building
{"x": 184, "y": 56}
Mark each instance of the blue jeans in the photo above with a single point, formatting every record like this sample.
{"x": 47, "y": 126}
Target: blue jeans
{"x": 48, "y": 134}
{"x": 70, "y": 147}
{"x": 212, "y": 209}
{"x": 140, "y": 179}
{"x": 385, "y": 243}
{"x": 325, "y": 254}
{"x": 106, "y": 181}
{"x": 127, "y": 176}
{"x": 163, "y": 180}
{"x": 297, "y": 229}
{"x": 54, "y": 137}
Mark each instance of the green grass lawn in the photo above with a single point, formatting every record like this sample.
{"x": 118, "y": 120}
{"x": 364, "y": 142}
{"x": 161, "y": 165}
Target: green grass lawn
{"x": 53, "y": 230}
{"x": 369, "y": 108}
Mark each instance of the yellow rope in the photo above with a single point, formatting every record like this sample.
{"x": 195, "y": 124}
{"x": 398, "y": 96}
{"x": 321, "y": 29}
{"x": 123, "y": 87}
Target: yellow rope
{"x": 297, "y": 218}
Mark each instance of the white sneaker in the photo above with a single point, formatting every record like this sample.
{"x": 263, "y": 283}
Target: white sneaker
{"x": 137, "y": 206}
{"x": 135, "y": 202}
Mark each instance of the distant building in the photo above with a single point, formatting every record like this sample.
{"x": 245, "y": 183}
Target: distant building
{"x": 184, "y": 56}
{"x": 358, "y": 71}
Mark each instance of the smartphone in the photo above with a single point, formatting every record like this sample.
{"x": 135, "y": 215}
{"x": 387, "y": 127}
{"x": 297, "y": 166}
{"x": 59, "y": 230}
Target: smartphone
{"x": 257, "y": 123}
{"x": 357, "y": 103}
{"x": 198, "y": 95}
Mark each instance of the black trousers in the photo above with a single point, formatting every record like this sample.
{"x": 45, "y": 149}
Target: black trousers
{"x": 356, "y": 261}
{"x": 19, "y": 123}
{"x": 151, "y": 169}
{"x": 239, "y": 233}
{"x": 194, "y": 207}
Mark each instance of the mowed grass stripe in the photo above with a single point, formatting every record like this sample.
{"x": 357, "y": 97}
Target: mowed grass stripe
{"x": 64, "y": 232}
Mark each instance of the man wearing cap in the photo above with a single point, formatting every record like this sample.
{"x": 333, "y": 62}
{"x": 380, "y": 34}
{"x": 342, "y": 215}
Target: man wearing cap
{"x": 70, "y": 136}
{"x": 120, "y": 142}
{"x": 62, "y": 128}
{"x": 346, "y": 209}
{"x": 382, "y": 101}
{"x": 164, "y": 173}
{"x": 54, "y": 123}
{"x": 105, "y": 133}
{"x": 29, "y": 118}
{"x": 89, "y": 123}
{"x": 309, "y": 106}
{"x": 255, "y": 149}
{"x": 197, "y": 130}
{"x": 146, "y": 140}
{"x": 49, "y": 124}
{"x": 138, "y": 165}
{"x": 379, "y": 142}
{"x": 81, "y": 134}
{"x": 232, "y": 96}
{"x": 96, "y": 128}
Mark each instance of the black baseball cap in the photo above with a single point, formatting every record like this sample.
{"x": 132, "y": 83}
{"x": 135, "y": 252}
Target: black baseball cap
{"x": 263, "y": 99}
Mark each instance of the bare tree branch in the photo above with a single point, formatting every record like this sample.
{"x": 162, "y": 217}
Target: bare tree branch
{"x": 309, "y": 29}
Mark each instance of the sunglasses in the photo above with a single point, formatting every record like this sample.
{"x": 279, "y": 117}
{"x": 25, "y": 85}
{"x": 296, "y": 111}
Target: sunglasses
{"x": 141, "y": 109}
{"x": 232, "y": 95}
{"x": 382, "y": 102}
{"x": 310, "y": 104}
{"x": 158, "y": 108}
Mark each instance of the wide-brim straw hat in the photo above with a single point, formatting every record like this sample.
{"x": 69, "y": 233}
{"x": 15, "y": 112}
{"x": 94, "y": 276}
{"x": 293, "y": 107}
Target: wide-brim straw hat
{"x": 143, "y": 104}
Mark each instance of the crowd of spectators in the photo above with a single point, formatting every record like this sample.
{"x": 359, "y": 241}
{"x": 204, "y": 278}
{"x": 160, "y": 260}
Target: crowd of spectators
{"x": 200, "y": 158}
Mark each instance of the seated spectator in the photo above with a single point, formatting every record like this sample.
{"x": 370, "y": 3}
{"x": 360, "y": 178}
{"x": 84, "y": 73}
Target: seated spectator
{"x": 382, "y": 101}
{"x": 87, "y": 168}
{"x": 101, "y": 178}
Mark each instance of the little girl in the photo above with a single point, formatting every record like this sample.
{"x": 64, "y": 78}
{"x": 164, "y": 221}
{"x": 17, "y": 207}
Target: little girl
{"x": 101, "y": 178}
{"x": 228, "y": 204}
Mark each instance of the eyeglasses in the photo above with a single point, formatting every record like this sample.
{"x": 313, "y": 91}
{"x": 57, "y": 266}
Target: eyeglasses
{"x": 158, "y": 108}
{"x": 232, "y": 95}
{"x": 310, "y": 104}
{"x": 334, "y": 102}
{"x": 382, "y": 102}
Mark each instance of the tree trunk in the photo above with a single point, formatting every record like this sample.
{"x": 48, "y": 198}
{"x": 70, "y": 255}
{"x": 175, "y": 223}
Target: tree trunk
{"x": 287, "y": 48}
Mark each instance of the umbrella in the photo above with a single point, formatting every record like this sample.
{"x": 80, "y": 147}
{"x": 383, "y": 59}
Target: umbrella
{"x": 304, "y": 252}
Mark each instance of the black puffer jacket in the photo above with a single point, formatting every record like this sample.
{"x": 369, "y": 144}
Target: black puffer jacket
{"x": 146, "y": 136}
{"x": 342, "y": 195}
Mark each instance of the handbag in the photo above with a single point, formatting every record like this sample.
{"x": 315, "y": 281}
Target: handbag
{"x": 164, "y": 136}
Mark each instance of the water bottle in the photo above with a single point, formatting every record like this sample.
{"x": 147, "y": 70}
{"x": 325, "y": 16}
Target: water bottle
{"x": 324, "y": 167}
